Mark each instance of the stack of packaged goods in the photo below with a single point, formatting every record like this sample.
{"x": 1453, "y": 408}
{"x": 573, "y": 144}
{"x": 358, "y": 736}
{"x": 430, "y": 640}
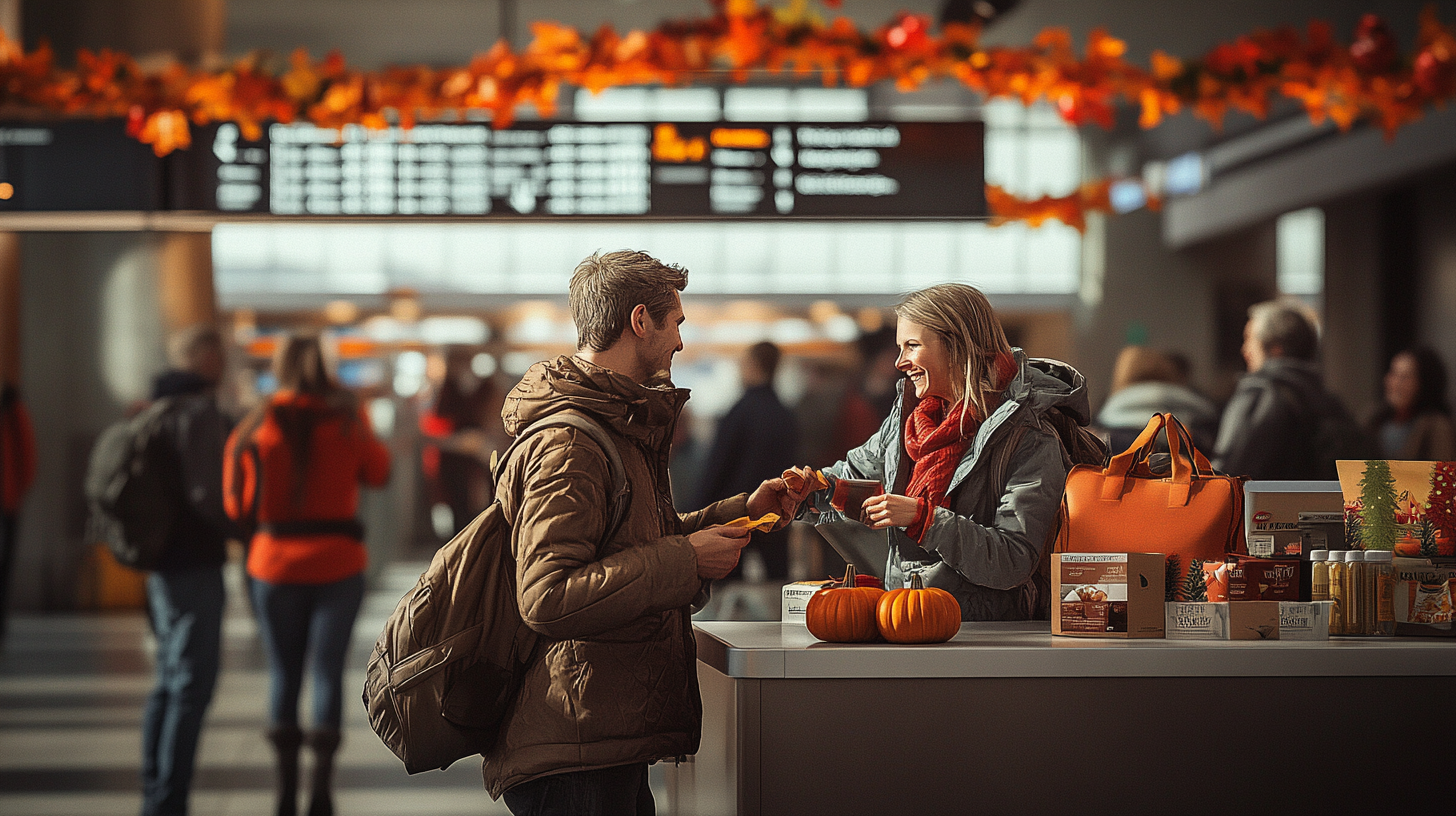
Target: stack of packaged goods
{"x": 1244, "y": 598}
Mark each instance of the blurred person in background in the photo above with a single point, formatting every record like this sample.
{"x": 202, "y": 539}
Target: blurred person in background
{"x": 1281, "y": 423}
{"x": 971, "y": 467}
{"x": 185, "y": 592}
{"x": 1147, "y": 382}
{"x": 293, "y": 471}
{"x": 458, "y": 439}
{"x": 17, "y": 473}
{"x": 1414, "y": 421}
{"x": 755, "y": 440}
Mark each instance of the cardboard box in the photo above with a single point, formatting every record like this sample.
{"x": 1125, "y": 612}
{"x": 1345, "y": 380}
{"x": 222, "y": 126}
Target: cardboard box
{"x": 1253, "y": 620}
{"x": 1263, "y": 579}
{"x": 1108, "y": 595}
{"x": 1248, "y": 620}
{"x": 1196, "y": 620}
{"x": 1422, "y": 596}
{"x": 795, "y": 600}
{"x": 1304, "y": 620}
{"x": 1274, "y": 508}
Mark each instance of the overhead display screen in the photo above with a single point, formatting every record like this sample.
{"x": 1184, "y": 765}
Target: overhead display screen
{"x": 657, "y": 170}
{"x": 543, "y": 170}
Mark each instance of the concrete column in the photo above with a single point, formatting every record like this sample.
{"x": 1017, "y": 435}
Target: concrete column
{"x": 185, "y": 279}
{"x": 9, "y": 307}
{"x": 92, "y": 337}
{"x": 1353, "y": 330}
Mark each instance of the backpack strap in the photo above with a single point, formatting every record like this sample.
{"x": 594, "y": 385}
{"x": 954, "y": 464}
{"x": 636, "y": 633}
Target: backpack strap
{"x": 621, "y": 490}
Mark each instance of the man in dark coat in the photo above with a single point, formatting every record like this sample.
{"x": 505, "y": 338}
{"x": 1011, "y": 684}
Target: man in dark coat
{"x": 1281, "y": 423}
{"x": 756, "y": 440}
{"x": 185, "y": 593}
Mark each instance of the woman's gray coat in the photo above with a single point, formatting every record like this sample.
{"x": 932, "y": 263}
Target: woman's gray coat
{"x": 986, "y": 546}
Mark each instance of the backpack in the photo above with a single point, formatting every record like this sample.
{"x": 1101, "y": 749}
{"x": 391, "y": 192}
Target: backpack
{"x": 451, "y": 657}
{"x": 134, "y": 486}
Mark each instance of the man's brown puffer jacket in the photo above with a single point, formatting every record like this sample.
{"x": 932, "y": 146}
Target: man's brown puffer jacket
{"x": 615, "y": 678}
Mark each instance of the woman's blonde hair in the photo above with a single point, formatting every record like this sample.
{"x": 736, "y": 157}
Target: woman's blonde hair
{"x": 963, "y": 319}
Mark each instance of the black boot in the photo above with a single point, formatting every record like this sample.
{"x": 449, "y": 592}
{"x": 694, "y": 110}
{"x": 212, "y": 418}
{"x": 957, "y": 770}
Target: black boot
{"x": 325, "y": 742}
{"x": 286, "y": 739}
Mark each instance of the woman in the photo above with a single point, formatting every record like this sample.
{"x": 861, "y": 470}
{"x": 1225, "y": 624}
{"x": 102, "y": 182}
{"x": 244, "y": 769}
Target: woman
{"x": 293, "y": 472}
{"x": 976, "y": 500}
{"x": 1147, "y": 382}
{"x": 1414, "y": 423}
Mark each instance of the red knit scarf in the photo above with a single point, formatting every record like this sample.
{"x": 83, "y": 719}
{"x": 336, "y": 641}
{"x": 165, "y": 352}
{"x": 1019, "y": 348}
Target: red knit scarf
{"x": 936, "y": 439}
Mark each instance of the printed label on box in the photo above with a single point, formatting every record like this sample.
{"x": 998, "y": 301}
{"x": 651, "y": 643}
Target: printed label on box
{"x": 1304, "y": 620}
{"x": 1261, "y": 545}
{"x": 1196, "y": 620}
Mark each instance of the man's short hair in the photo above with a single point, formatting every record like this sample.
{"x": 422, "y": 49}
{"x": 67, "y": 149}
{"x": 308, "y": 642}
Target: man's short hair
{"x": 606, "y": 288}
{"x": 766, "y": 356}
{"x": 186, "y": 346}
{"x": 1274, "y": 323}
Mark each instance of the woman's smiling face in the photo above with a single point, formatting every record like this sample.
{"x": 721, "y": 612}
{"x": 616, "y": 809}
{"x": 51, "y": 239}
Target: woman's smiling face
{"x": 925, "y": 361}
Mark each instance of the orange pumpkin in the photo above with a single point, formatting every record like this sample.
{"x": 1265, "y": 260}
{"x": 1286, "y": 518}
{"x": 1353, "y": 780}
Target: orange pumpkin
{"x": 918, "y": 614}
{"x": 1408, "y": 545}
{"x": 844, "y": 613}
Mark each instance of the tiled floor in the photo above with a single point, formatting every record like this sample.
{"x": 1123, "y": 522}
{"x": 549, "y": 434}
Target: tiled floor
{"x": 72, "y": 689}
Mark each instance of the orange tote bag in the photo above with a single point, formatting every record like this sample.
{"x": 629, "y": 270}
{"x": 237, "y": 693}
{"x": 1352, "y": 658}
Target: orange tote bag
{"x": 1190, "y": 511}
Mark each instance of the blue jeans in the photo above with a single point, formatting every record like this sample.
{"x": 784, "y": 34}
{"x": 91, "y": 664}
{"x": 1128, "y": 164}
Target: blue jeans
{"x": 186, "y": 616}
{"x": 621, "y": 790}
{"x": 303, "y": 620}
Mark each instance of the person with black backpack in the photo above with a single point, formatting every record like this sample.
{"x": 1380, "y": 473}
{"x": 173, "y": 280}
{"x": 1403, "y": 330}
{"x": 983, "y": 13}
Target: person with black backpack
{"x": 1281, "y": 423}
{"x": 185, "y": 593}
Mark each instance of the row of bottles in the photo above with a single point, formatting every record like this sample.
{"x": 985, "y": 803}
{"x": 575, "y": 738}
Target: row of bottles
{"x": 1362, "y": 585}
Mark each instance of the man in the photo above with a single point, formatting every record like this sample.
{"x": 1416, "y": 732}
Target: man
{"x": 756, "y": 439}
{"x": 613, "y": 686}
{"x": 185, "y": 592}
{"x": 1280, "y": 422}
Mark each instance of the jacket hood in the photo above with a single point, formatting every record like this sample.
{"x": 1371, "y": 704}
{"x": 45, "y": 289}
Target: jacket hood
{"x": 1299, "y": 374}
{"x": 1041, "y": 385}
{"x": 1132, "y": 406}
{"x": 177, "y": 382}
{"x": 627, "y": 407}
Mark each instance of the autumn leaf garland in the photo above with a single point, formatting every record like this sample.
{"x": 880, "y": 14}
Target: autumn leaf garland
{"x": 1368, "y": 79}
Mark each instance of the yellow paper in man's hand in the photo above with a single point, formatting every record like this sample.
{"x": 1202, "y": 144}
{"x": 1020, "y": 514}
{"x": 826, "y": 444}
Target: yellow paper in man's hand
{"x": 796, "y": 481}
{"x": 764, "y": 523}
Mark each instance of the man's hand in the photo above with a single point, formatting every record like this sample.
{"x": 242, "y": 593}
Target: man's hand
{"x": 889, "y": 510}
{"x": 775, "y": 496}
{"x": 717, "y": 549}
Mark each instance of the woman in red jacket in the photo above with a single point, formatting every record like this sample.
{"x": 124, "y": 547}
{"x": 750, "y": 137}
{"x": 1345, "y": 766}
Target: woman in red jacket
{"x": 294, "y": 467}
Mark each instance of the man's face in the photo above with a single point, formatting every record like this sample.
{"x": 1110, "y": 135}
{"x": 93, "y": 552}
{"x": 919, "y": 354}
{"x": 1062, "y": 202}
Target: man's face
{"x": 1254, "y": 352}
{"x": 661, "y": 341}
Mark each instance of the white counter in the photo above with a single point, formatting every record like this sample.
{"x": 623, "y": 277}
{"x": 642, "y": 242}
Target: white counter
{"x": 1007, "y": 719}
{"x": 775, "y": 650}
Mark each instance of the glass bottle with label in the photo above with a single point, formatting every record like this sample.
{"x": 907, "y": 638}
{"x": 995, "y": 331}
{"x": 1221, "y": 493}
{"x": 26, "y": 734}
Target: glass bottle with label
{"x": 1337, "y": 591}
{"x": 1354, "y": 593}
{"x": 1319, "y": 572}
{"x": 1379, "y": 585}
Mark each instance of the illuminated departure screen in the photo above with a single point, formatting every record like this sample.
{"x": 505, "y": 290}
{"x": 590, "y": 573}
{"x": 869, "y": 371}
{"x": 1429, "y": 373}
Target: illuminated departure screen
{"x": 661, "y": 170}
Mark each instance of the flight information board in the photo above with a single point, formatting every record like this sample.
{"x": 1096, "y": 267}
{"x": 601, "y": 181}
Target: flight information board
{"x": 532, "y": 169}
{"x": 658, "y": 170}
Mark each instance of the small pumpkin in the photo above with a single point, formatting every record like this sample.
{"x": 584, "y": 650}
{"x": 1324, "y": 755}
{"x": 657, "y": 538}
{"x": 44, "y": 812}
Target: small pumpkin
{"x": 845, "y": 612}
{"x": 918, "y": 614}
{"x": 1408, "y": 545}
